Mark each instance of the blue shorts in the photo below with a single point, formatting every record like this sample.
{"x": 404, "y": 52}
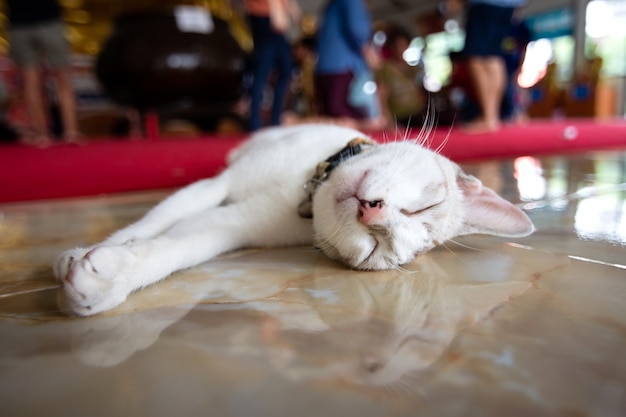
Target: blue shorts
{"x": 486, "y": 28}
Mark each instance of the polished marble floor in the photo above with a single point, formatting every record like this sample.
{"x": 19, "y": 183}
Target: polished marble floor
{"x": 479, "y": 327}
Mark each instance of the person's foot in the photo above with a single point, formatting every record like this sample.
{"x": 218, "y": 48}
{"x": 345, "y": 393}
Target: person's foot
{"x": 73, "y": 138}
{"x": 38, "y": 141}
{"x": 481, "y": 126}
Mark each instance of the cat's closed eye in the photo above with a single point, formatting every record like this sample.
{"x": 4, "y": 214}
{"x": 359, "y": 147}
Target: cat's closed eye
{"x": 413, "y": 212}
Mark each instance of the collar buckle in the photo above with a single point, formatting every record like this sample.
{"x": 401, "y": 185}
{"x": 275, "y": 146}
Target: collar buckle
{"x": 323, "y": 170}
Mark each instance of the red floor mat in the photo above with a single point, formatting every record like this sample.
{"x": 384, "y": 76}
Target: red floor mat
{"x": 110, "y": 166}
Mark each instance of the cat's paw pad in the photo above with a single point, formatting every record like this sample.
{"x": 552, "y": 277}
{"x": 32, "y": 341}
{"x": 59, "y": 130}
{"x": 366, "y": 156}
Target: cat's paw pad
{"x": 107, "y": 262}
{"x": 64, "y": 262}
{"x": 96, "y": 282}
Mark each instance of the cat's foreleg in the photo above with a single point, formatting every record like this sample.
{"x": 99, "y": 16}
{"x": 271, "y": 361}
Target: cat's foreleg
{"x": 186, "y": 202}
{"x": 104, "y": 277}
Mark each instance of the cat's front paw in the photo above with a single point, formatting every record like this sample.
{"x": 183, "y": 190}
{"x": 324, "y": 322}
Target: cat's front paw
{"x": 65, "y": 261}
{"x": 93, "y": 280}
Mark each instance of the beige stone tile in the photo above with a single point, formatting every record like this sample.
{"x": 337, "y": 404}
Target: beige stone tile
{"x": 480, "y": 326}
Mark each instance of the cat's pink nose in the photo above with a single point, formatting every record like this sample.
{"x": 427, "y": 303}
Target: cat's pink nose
{"x": 370, "y": 212}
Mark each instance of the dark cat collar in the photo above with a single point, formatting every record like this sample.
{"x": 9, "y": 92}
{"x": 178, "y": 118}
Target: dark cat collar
{"x": 323, "y": 170}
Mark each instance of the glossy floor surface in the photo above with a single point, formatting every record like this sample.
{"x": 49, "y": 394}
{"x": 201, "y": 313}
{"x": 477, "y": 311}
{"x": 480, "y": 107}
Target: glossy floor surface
{"x": 479, "y": 327}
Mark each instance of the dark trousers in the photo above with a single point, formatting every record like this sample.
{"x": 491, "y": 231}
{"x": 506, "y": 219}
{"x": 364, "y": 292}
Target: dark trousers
{"x": 332, "y": 92}
{"x": 271, "y": 52}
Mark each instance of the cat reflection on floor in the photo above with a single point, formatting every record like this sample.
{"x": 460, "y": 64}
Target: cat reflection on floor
{"x": 403, "y": 323}
{"x": 371, "y": 206}
{"x": 387, "y": 326}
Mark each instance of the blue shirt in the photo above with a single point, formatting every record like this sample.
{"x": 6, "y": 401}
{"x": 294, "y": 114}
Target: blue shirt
{"x": 346, "y": 27}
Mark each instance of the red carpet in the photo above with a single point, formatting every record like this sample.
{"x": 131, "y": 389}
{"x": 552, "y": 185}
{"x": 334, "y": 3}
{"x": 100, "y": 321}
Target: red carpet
{"x": 111, "y": 166}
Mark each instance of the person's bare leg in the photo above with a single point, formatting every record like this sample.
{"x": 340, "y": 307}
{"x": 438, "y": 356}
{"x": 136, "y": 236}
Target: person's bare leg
{"x": 67, "y": 105}
{"x": 33, "y": 98}
{"x": 489, "y": 76}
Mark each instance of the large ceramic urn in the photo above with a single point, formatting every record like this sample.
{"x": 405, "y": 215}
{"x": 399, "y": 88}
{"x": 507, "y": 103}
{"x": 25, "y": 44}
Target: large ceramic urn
{"x": 155, "y": 61}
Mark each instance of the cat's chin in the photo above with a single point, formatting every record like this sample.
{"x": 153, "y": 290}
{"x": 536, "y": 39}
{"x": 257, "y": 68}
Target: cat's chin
{"x": 365, "y": 253}
{"x": 381, "y": 258}
{"x": 367, "y": 248}
{"x": 343, "y": 238}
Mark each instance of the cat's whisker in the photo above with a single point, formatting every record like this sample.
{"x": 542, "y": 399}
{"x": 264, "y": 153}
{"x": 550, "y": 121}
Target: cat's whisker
{"x": 444, "y": 142}
{"x": 401, "y": 269}
{"x": 395, "y": 130}
{"x": 453, "y": 253}
{"x": 407, "y": 130}
{"x": 414, "y": 140}
{"x": 422, "y": 137}
{"x": 386, "y": 138}
{"x": 335, "y": 232}
{"x": 429, "y": 130}
{"x": 402, "y": 386}
{"x": 310, "y": 249}
{"x": 333, "y": 237}
{"x": 465, "y": 246}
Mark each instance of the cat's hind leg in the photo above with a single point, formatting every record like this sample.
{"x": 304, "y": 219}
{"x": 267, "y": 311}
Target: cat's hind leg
{"x": 188, "y": 201}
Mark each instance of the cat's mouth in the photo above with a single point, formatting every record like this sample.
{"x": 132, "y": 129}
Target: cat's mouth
{"x": 383, "y": 254}
{"x": 376, "y": 240}
{"x": 366, "y": 262}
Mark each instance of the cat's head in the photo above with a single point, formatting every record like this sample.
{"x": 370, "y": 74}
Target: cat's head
{"x": 381, "y": 208}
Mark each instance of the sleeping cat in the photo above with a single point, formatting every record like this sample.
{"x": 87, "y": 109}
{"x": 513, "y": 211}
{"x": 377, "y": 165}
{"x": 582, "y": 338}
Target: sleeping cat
{"x": 370, "y": 206}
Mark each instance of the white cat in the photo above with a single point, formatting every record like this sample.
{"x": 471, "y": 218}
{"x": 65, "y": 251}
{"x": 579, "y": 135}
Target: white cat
{"x": 374, "y": 209}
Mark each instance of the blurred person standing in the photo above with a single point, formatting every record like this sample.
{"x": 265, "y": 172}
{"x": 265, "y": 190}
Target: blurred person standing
{"x": 343, "y": 52}
{"x": 488, "y": 23}
{"x": 269, "y": 21}
{"x": 400, "y": 85}
{"x": 513, "y": 52}
{"x": 37, "y": 40}
{"x": 301, "y": 101}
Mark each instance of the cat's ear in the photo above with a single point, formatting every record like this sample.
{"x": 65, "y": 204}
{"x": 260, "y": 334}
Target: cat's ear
{"x": 488, "y": 213}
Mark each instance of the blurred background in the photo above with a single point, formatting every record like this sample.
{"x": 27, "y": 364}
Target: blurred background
{"x": 131, "y": 57}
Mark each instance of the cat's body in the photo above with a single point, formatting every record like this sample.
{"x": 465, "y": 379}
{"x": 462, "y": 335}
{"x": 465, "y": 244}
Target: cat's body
{"x": 376, "y": 210}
